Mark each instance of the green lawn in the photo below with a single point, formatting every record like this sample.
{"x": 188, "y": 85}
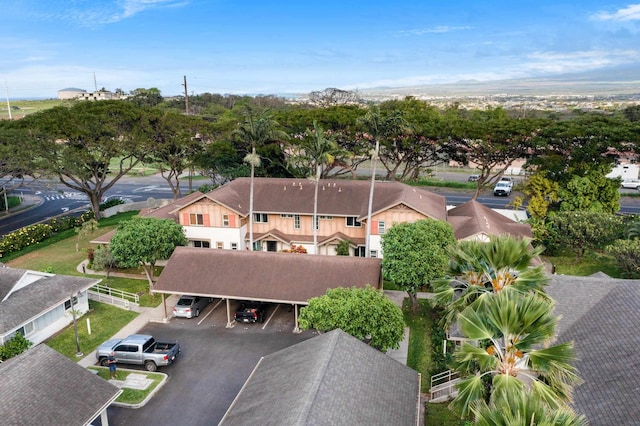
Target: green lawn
{"x": 105, "y": 320}
{"x": 589, "y": 264}
{"x": 128, "y": 395}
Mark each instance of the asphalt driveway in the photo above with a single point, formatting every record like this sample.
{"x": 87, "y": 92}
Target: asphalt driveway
{"x": 213, "y": 365}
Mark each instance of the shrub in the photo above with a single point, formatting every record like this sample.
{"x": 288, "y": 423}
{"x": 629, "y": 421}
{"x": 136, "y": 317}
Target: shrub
{"x": 110, "y": 203}
{"x": 627, "y": 256}
{"x": 14, "y": 346}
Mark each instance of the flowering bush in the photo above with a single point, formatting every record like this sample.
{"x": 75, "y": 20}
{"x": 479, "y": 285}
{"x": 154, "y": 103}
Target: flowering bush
{"x": 295, "y": 249}
{"x": 33, "y": 234}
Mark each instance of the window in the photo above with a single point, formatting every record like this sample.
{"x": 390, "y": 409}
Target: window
{"x": 260, "y": 217}
{"x": 201, "y": 244}
{"x": 234, "y": 246}
{"x": 381, "y": 227}
{"x": 225, "y": 220}
{"x": 286, "y": 216}
{"x": 219, "y": 245}
{"x": 67, "y": 303}
{"x": 373, "y": 253}
{"x": 196, "y": 219}
{"x": 359, "y": 251}
{"x": 296, "y": 221}
{"x": 352, "y": 222}
{"x": 26, "y": 329}
{"x": 325, "y": 217}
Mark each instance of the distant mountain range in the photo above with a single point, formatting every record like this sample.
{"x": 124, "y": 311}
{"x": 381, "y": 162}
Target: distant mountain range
{"x": 603, "y": 82}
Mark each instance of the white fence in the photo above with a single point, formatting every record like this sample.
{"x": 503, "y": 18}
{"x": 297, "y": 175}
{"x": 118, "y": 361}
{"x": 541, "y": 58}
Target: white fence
{"x": 443, "y": 386}
{"x": 102, "y": 293}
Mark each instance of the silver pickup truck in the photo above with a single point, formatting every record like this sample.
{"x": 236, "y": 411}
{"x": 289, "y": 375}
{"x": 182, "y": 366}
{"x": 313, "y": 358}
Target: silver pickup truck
{"x": 140, "y": 349}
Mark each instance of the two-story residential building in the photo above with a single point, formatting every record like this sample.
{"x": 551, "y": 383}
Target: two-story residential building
{"x": 283, "y": 214}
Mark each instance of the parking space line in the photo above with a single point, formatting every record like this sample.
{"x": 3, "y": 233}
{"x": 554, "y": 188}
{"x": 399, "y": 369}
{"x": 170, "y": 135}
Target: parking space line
{"x": 270, "y": 316}
{"x": 211, "y": 311}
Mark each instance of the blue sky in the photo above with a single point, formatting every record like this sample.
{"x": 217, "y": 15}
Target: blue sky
{"x": 277, "y": 47}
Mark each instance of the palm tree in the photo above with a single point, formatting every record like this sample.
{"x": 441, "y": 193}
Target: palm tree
{"x": 478, "y": 268}
{"x": 255, "y": 131}
{"x": 318, "y": 150}
{"x": 519, "y": 410}
{"x": 512, "y": 328}
{"x": 378, "y": 126}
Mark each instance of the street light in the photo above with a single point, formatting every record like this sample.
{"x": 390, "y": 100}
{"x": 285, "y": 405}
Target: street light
{"x": 75, "y": 327}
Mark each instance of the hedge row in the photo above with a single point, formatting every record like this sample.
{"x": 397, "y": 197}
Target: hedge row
{"x": 33, "y": 234}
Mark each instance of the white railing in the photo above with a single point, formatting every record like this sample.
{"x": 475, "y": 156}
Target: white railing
{"x": 102, "y": 293}
{"x": 443, "y": 386}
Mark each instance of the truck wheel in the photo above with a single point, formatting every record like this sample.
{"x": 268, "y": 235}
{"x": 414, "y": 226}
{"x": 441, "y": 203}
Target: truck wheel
{"x": 150, "y": 366}
{"x": 104, "y": 362}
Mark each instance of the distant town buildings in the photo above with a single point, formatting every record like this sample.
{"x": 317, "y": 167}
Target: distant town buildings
{"x": 81, "y": 94}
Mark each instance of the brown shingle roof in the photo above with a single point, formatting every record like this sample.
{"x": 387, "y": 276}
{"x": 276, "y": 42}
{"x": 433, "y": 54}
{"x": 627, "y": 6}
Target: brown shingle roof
{"x": 283, "y": 277}
{"x": 473, "y": 218}
{"x": 335, "y": 197}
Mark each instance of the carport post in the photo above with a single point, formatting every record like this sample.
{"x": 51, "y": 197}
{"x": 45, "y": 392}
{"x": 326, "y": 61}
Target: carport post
{"x": 164, "y": 308}
{"x": 230, "y": 323}
{"x": 296, "y": 329}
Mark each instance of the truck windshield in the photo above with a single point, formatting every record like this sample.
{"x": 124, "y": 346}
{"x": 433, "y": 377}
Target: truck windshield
{"x": 148, "y": 346}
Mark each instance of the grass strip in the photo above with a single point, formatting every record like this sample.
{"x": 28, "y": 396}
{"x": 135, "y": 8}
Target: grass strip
{"x": 129, "y": 395}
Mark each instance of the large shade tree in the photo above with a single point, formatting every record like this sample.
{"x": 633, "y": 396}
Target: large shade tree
{"x": 365, "y": 313}
{"x": 415, "y": 254}
{"x": 142, "y": 241}
{"x": 90, "y": 145}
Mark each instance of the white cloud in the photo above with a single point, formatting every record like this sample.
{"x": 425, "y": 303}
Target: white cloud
{"x": 629, "y": 13}
{"x": 561, "y": 62}
{"x": 434, "y": 30}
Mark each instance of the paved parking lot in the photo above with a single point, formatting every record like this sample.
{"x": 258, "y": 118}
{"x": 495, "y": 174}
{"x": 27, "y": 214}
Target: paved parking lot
{"x": 213, "y": 364}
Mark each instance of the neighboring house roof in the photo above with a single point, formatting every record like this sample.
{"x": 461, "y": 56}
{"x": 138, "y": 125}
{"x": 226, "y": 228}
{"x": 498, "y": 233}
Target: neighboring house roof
{"x": 169, "y": 211}
{"x": 335, "y": 197}
{"x": 72, "y": 89}
{"x": 600, "y": 315}
{"x": 20, "y": 305}
{"x": 41, "y": 386}
{"x": 330, "y": 379}
{"x": 268, "y": 276}
{"x": 472, "y": 219}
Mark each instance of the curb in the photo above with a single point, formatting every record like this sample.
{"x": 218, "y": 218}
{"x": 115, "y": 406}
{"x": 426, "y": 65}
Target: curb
{"x": 151, "y": 394}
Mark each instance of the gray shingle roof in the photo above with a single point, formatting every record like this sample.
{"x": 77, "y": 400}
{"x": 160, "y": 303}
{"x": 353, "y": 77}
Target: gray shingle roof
{"x": 286, "y": 277}
{"x": 602, "y": 318}
{"x": 327, "y": 380}
{"x": 40, "y": 386}
{"x": 36, "y": 298}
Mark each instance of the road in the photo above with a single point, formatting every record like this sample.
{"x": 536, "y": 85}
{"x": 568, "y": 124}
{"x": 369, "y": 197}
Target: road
{"x": 57, "y": 200}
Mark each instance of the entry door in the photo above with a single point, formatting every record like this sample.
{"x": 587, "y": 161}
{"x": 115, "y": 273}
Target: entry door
{"x": 272, "y": 246}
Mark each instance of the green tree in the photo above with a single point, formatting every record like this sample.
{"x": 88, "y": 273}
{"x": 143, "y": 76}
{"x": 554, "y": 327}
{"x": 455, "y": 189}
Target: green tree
{"x": 415, "y": 254}
{"x": 142, "y": 241}
{"x": 90, "y": 145}
{"x": 316, "y": 151}
{"x": 591, "y": 192}
{"x": 520, "y": 410}
{"x": 364, "y": 313}
{"x": 256, "y": 130}
{"x": 581, "y": 231}
{"x": 542, "y": 193}
{"x": 177, "y": 142}
{"x": 512, "y": 328}
{"x": 343, "y": 248}
{"x": 478, "y": 269}
{"x": 626, "y": 254}
{"x": 103, "y": 260}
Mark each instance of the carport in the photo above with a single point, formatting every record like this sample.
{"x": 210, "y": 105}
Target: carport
{"x": 286, "y": 278}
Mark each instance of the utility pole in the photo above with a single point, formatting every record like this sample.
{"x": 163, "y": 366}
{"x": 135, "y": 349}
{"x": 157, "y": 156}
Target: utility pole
{"x": 6, "y": 90}
{"x": 186, "y": 96}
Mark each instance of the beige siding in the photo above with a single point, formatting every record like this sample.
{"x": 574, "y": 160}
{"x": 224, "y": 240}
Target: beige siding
{"x": 213, "y": 211}
{"x": 398, "y": 214}
{"x": 327, "y": 227}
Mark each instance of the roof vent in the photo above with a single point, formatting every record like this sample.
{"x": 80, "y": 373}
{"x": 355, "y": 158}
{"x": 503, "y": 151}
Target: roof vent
{"x": 323, "y": 188}
{"x": 339, "y": 189}
{"x": 285, "y": 188}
